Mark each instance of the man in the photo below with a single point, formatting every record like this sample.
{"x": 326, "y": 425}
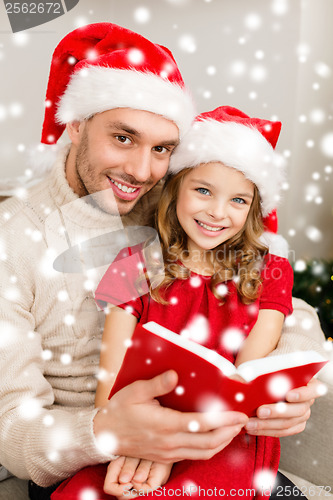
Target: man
{"x": 125, "y": 107}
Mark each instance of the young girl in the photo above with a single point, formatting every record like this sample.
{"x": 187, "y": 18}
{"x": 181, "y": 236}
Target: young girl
{"x": 224, "y": 179}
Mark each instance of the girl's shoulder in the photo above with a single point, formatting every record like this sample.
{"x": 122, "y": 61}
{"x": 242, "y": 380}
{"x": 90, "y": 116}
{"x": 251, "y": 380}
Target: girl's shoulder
{"x": 276, "y": 266}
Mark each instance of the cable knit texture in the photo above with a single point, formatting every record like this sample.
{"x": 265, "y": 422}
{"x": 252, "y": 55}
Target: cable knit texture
{"x": 51, "y": 331}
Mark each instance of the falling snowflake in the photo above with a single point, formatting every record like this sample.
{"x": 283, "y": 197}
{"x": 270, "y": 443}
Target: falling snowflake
{"x": 142, "y": 15}
{"x": 280, "y": 7}
{"x": 193, "y": 426}
{"x": 264, "y": 481}
{"x": 314, "y": 234}
{"x": 30, "y": 408}
{"x": 88, "y": 494}
{"x": 323, "y": 70}
{"x": 48, "y": 420}
{"x": 187, "y": 43}
{"x": 197, "y": 330}
{"x": 253, "y": 21}
{"x": 106, "y": 443}
{"x": 231, "y": 339}
{"x": 239, "y": 396}
{"x": 326, "y": 145}
{"x": 279, "y": 385}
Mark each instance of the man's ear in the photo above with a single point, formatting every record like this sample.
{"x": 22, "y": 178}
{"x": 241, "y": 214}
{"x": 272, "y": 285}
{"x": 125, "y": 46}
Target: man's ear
{"x": 74, "y": 131}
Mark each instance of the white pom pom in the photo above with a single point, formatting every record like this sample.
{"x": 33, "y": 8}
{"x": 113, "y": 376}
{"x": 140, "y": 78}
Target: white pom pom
{"x": 276, "y": 244}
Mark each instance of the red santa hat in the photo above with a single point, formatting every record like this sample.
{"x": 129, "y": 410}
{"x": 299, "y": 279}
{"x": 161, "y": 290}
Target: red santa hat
{"x": 229, "y": 136}
{"x": 103, "y": 66}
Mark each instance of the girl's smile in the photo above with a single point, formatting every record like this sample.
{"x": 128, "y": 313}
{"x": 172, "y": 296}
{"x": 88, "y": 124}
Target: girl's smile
{"x": 213, "y": 203}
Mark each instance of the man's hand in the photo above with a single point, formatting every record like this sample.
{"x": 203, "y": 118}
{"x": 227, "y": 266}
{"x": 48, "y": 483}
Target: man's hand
{"x": 144, "y": 429}
{"x": 286, "y": 419}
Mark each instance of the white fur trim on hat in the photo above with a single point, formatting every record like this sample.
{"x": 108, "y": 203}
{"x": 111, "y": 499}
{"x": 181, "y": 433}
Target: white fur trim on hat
{"x": 238, "y": 146}
{"x": 96, "y": 89}
{"x": 276, "y": 244}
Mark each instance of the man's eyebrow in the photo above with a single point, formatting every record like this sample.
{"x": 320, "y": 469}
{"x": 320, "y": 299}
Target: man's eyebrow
{"x": 170, "y": 142}
{"x": 123, "y": 127}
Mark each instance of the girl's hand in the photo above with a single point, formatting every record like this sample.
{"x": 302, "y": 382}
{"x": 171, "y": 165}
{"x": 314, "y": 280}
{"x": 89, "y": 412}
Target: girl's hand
{"x": 150, "y": 476}
{"x": 132, "y": 477}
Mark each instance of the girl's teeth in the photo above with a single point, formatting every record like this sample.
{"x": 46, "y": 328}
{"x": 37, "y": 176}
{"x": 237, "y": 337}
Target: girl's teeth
{"x": 210, "y": 228}
{"x": 124, "y": 189}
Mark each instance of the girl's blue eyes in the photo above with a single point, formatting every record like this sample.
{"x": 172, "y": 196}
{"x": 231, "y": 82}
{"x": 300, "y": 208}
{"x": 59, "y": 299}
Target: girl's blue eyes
{"x": 206, "y": 192}
{"x": 238, "y": 200}
{"x": 203, "y": 191}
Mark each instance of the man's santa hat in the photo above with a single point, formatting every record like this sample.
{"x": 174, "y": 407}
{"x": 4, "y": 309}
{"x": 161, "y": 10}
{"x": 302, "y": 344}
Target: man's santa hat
{"x": 100, "y": 67}
{"x": 229, "y": 136}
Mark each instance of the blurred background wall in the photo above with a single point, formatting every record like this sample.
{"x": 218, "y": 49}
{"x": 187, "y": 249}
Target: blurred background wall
{"x": 270, "y": 58}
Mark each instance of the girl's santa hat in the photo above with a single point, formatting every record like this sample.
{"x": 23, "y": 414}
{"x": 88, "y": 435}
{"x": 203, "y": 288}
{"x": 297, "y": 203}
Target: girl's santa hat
{"x": 229, "y": 136}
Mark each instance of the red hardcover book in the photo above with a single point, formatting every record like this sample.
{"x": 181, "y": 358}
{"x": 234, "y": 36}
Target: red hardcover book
{"x": 204, "y": 382}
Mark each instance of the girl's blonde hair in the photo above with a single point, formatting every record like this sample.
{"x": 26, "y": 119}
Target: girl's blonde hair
{"x": 240, "y": 258}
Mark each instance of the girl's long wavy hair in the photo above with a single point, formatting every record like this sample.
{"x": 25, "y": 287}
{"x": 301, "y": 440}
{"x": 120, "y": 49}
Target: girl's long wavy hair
{"x": 239, "y": 259}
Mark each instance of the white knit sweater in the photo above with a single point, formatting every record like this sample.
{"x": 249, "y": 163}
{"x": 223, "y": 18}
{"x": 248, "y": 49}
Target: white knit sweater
{"x": 51, "y": 331}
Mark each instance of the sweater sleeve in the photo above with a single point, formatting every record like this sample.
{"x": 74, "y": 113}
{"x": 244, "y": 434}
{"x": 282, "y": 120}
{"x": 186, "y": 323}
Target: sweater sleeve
{"x": 38, "y": 442}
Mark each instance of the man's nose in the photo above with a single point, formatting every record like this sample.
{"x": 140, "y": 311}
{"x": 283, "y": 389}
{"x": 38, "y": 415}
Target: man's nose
{"x": 139, "y": 165}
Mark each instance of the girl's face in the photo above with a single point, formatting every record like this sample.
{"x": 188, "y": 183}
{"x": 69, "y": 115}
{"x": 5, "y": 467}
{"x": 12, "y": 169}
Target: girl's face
{"x": 213, "y": 204}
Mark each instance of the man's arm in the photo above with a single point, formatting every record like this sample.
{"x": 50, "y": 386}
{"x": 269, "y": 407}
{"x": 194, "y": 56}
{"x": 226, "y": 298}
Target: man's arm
{"x": 141, "y": 428}
{"x": 301, "y": 331}
{"x": 48, "y": 443}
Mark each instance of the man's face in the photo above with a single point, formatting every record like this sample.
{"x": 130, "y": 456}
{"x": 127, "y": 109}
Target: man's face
{"x": 122, "y": 149}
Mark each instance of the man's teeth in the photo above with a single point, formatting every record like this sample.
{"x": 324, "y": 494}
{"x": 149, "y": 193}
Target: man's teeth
{"x": 124, "y": 189}
{"x": 210, "y": 228}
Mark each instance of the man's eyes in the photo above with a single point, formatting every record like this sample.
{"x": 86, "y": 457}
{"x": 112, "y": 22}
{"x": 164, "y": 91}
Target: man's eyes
{"x": 161, "y": 149}
{"x": 123, "y": 139}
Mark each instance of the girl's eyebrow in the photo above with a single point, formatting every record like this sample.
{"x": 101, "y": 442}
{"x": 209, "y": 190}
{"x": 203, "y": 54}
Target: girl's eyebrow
{"x": 244, "y": 195}
{"x": 201, "y": 181}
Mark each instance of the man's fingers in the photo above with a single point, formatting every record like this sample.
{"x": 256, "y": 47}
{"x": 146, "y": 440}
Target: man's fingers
{"x": 145, "y": 390}
{"x": 283, "y": 410}
{"x": 278, "y": 427}
{"x": 199, "y": 446}
{"x": 314, "y": 389}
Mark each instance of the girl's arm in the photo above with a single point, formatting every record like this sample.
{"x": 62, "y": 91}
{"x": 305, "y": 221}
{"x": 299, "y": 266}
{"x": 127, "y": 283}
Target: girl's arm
{"x": 263, "y": 337}
{"x": 118, "y": 330}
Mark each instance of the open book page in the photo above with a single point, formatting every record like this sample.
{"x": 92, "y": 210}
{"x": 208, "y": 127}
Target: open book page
{"x": 248, "y": 370}
{"x": 256, "y": 367}
{"x": 211, "y": 356}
